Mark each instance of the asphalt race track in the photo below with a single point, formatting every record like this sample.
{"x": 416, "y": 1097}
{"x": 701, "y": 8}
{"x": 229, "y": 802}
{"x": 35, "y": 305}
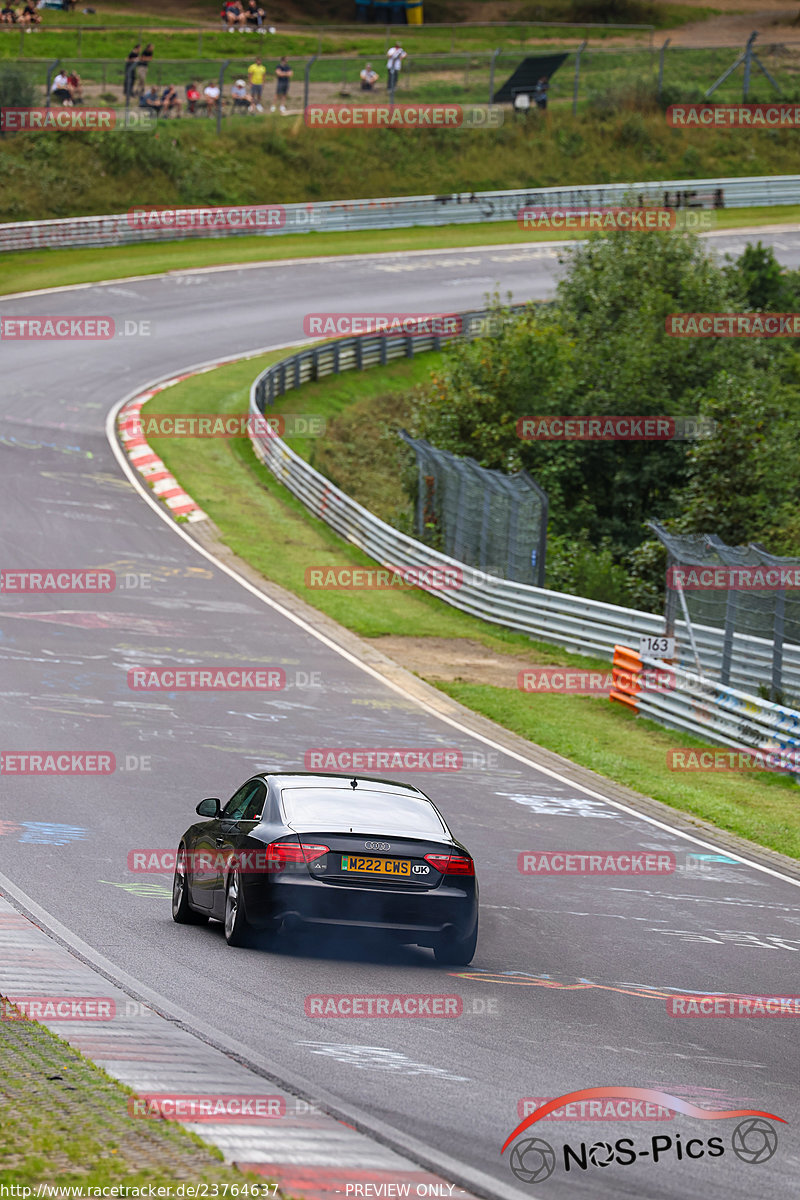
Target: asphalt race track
{"x": 568, "y": 987}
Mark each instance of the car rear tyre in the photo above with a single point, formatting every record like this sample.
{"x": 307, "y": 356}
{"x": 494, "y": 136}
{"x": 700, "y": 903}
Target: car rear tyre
{"x": 236, "y": 927}
{"x": 181, "y": 912}
{"x": 454, "y": 951}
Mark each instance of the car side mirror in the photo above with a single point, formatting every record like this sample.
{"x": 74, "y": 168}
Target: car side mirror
{"x": 208, "y": 808}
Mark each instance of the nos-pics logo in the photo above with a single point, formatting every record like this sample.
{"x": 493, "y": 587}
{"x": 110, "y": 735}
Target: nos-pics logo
{"x": 532, "y": 1160}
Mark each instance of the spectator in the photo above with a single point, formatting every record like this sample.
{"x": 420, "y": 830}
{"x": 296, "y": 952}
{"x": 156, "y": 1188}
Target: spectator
{"x": 130, "y": 69}
{"x": 394, "y": 61}
{"x": 75, "y": 87}
{"x": 240, "y": 98}
{"x": 256, "y": 73}
{"x": 60, "y": 90}
{"x": 233, "y": 15}
{"x": 254, "y": 16}
{"x": 29, "y": 16}
{"x": 170, "y": 101}
{"x": 192, "y": 97}
{"x": 540, "y": 93}
{"x": 368, "y": 78}
{"x": 145, "y": 58}
{"x": 283, "y": 73}
{"x": 150, "y": 100}
{"x": 213, "y": 97}
{"x": 8, "y": 15}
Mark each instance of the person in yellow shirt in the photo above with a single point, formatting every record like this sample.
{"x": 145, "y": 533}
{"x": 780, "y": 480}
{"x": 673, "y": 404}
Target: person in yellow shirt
{"x": 256, "y": 73}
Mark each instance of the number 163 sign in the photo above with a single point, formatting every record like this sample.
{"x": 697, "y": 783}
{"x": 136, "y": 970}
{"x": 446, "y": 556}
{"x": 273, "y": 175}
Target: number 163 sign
{"x": 657, "y": 647}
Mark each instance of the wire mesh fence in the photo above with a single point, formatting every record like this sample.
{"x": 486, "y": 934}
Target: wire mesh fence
{"x": 742, "y": 590}
{"x": 490, "y": 520}
{"x": 592, "y": 75}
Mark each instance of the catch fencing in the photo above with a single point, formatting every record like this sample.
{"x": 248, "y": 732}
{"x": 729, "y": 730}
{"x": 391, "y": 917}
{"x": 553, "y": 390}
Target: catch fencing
{"x": 509, "y": 538}
{"x": 572, "y": 622}
{"x": 771, "y": 611}
{"x": 400, "y": 212}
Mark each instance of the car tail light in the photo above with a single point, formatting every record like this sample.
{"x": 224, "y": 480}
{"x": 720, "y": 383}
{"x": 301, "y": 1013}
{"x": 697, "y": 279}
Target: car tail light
{"x": 451, "y": 864}
{"x": 285, "y": 854}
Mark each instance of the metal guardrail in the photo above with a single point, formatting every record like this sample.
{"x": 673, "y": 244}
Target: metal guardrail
{"x": 572, "y": 622}
{"x": 399, "y": 212}
{"x": 721, "y": 714}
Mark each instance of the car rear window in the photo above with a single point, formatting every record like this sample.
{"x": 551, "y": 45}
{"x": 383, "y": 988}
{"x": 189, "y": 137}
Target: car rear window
{"x": 362, "y": 811}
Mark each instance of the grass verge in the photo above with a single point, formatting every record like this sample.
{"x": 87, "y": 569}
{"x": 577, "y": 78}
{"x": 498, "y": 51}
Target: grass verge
{"x": 262, "y": 523}
{"x": 65, "y": 1122}
{"x": 28, "y": 270}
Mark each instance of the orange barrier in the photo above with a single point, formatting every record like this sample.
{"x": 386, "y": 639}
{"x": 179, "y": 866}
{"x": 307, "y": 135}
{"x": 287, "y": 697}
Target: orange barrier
{"x": 625, "y": 670}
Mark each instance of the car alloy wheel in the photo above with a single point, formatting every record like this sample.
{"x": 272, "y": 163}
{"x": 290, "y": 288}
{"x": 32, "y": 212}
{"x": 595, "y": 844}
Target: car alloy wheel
{"x": 235, "y": 921}
{"x": 181, "y": 912}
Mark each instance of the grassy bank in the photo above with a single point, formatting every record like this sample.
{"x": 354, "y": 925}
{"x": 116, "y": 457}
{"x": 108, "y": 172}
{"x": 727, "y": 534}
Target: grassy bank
{"x": 279, "y": 160}
{"x": 65, "y": 1123}
{"x": 268, "y": 528}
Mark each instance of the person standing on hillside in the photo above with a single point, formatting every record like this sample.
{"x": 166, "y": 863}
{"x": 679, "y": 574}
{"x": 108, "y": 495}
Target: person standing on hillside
{"x": 394, "y": 61}
{"x": 256, "y": 74}
{"x": 283, "y": 73}
{"x": 145, "y": 58}
{"x": 130, "y": 69}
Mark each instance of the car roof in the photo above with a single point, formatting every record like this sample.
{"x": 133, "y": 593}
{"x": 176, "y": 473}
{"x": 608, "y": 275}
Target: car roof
{"x": 340, "y": 782}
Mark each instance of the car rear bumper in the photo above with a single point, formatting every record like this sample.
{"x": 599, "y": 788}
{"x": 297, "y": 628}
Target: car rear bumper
{"x": 416, "y": 916}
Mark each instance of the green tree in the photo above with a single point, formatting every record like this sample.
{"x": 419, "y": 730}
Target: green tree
{"x": 601, "y": 348}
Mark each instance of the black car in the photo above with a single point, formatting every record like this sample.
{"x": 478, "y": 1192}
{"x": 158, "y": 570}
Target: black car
{"x": 306, "y": 850}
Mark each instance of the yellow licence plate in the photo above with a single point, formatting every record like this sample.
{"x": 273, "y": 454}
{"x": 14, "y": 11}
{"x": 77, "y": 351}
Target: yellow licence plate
{"x": 376, "y": 866}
